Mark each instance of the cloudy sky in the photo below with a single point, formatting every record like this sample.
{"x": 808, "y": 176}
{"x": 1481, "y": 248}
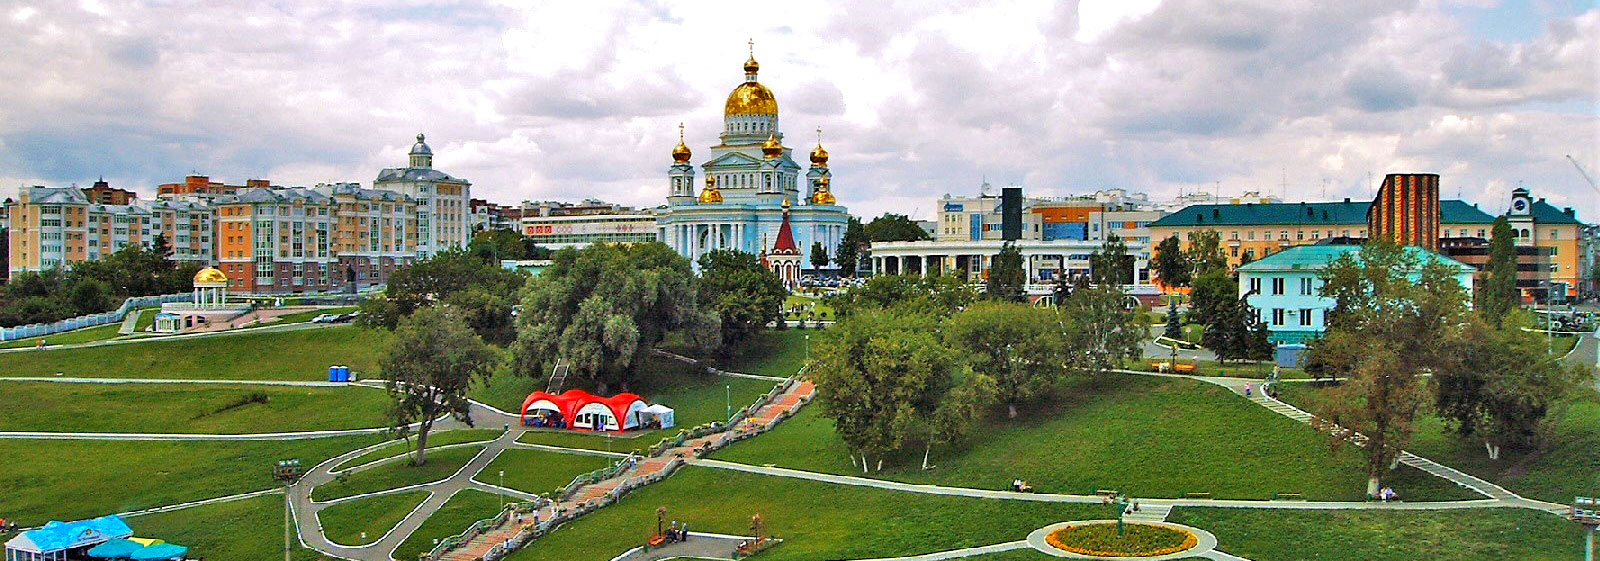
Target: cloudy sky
{"x": 565, "y": 100}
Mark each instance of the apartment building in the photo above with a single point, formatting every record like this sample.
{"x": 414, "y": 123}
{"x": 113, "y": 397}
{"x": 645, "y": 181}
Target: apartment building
{"x": 443, "y": 203}
{"x": 60, "y": 226}
{"x": 328, "y": 238}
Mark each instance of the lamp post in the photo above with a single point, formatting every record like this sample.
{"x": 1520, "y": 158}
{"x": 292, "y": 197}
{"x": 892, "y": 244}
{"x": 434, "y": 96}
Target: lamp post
{"x": 502, "y": 486}
{"x": 286, "y": 471}
{"x": 727, "y": 394}
{"x": 1586, "y": 511}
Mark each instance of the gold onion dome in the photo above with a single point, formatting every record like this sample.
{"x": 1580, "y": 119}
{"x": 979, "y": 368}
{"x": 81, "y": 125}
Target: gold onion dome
{"x": 824, "y": 195}
{"x": 772, "y": 148}
{"x": 710, "y": 194}
{"x": 819, "y": 156}
{"x": 210, "y": 275}
{"x": 680, "y": 153}
{"x": 751, "y": 98}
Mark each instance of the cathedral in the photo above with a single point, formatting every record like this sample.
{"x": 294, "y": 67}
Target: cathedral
{"x": 752, "y": 189}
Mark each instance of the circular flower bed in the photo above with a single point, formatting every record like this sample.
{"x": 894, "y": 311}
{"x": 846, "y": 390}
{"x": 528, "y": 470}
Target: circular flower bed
{"x": 1140, "y": 540}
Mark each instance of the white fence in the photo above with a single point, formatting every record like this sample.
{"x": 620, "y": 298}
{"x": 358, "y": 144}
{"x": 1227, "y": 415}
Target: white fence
{"x": 80, "y": 322}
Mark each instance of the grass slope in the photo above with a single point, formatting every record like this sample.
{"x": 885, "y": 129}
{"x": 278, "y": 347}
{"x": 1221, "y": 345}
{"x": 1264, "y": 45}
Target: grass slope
{"x": 1147, "y": 437}
{"x": 85, "y": 335}
{"x": 75, "y": 479}
{"x": 441, "y": 464}
{"x": 247, "y": 529}
{"x": 538, "y": 471}
{"x": 818, "y": 520}
{"x": 1451, "y": 535}
{"x": 466, "y": 507}
{"x": 186, "y": 408}
{"x": 285, "y": 355}
{"x": 435, "y": 440}
{"x": 344, "y": 523}
{"x": 1567, "y": 466}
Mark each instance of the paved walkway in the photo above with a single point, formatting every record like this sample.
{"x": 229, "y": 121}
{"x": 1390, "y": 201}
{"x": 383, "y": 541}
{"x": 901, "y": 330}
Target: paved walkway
{"x": 108, "y": 342}
{"x": 698, "y": 546}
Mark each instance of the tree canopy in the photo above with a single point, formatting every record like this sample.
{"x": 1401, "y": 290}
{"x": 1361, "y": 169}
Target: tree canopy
{"x": 1101, "y": 328}
{"x": 1205, "y": 253}
{"x": 1006, "y": 275}
{"x": 1171, "y": 264}
{"x": 432, "y": 361}
{"x": 1499, "y": 296}
{"x": 504, "y": 243}
{"x": 935, "y": 295}
{"x": 93, "y": 287}
{"x": 1020, "y": 347}
{"x": 895, "y": 228}
{"x": 850, "y": 247}
{"x": 604, "y": 307}
{"x": 742, "y": 294}
{"x": 1502, "y": 384}
{"x": 1110, "y": 264}
{"x": 483, "y": 293}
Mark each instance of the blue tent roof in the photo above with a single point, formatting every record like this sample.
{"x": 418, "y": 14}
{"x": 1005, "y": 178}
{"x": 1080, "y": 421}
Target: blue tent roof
{"x": 119, "y": 547}
{"x": 159, "y": 551}
{"x": 57, "y": 536}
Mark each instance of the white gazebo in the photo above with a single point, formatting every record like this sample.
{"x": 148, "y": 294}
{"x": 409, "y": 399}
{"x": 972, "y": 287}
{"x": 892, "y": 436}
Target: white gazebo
{"x": 209, "y": 305}
{"x": 210, "y": 289}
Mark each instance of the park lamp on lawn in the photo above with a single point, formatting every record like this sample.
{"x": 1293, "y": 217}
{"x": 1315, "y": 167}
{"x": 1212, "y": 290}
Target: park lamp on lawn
{"x": 287, "y": 471}
{"x": 1586, "y": 511}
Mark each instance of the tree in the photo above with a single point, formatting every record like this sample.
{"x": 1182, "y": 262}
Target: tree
{"x": 882, "y": 378}
{"x": 503, "y": 243}
{"x": 819, "y": 255}
{"x": 1174, "y": 328}
{"x": 1236, "y": 332}
{"x": 1503, "y": 385}
{"x": 1205, "y": 252}
{"x": 1498, "y": 295}
{"x": 432, "y": 361}
{"x": 1100, "y": 328}
{"x": 1391, "y": 312}
{"x": 1211, "y": 292}
{"x": 937, "y": 295}
{"x": 895, "y": 228}
{"x": 604, "y": 307}
{"x": 1018, "y": 346}
{"x": 744, "y": 295}
{"x": 850, "y": 247}
{"x": 1171, "y": 264}
{"x": 440, "y": 278}
{"x": 1006, "y": 275}
{"x": 1110, "y": 264}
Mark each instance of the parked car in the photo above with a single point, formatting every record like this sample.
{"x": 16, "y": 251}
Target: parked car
{"x": 325, "y": 318}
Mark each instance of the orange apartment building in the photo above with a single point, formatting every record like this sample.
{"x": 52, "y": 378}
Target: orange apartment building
{"x": 60, "y": 226}
{"x": 329, "y": 238}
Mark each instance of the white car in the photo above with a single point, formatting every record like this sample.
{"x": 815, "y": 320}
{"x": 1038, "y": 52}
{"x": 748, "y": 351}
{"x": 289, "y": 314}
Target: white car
{"x": 325, "y": 318}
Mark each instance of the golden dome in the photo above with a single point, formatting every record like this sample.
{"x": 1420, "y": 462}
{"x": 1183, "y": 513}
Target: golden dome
{"x": 772, "y": 148}
{"x": 819, "y": 156}
{"x": 711, "y": 194}
{"x": 751, "y": 98}
{"x": 210, "y": 275}
{"x": 680, "y": 153}
{"x": 824, "y": 195}
{"x": 751, "y": 66}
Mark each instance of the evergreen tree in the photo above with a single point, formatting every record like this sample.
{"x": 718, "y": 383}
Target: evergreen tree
{"x": 1006, "y": 275}
{"x": 850, "y": 246}
{"x": 1174, "y": 325}
{"x": 819, "y": 255}
{"x": 1498, "y": 296}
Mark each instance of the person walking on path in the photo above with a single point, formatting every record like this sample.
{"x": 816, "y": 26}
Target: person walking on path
{"x": 1247, "y": 389}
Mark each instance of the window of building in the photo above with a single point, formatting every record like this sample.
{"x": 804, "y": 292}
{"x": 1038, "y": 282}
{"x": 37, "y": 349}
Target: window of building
{"x": 1277, "y": 286}
{"x": 1233, "y": 251}
{"x": 1277, "y": 316}
{"x": 1305, "y": 287}
{"x": 1250, "y": 234}
{"x": 1255, "y": 282}
{"x": 1305, "y": 317}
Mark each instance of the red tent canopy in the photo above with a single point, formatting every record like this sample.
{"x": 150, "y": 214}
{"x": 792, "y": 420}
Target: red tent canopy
{"x": 569, "y": 404}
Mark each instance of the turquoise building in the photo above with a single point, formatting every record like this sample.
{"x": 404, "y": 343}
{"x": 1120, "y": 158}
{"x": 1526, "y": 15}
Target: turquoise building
{"x": 1285, "y": 287}
{"x": 750, "y": 177}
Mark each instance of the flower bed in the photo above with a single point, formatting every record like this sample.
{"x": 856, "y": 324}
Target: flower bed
{"x": 1140, "y": 540}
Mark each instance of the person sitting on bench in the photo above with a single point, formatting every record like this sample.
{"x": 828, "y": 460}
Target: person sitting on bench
{"x": 1021, "y": 486}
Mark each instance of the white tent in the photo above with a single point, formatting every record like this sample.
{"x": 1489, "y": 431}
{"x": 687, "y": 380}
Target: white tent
{"x": 663, "y": 414}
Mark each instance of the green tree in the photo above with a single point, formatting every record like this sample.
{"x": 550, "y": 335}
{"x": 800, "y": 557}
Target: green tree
{"x": 882, "y": 376}
{"x": 1205, "y": 253}
{"x": 1110, "y": 264}
{"x": 1392, "y": 311}
{"x": 432, "y": 361}
{"x": 1236, "y": 332}
{"x": 744, "y": 295}
{"x": 895, "y": 228}
{"x": 494, "y": 245}
{"x": 604, "y": 307}
{"x": 1174, "y": 328}
{"x": 1171, "y": 264}
{"x": 1503, "y": 385}
{"x": 1018, "y": 346}
{"x": 1498, "y": 296}
{"x": 1100, "y": 327}
{"x": 1006, "y": 275}
{"x": 855, "y": 240}
{"x": 1211, "y": 292}
{"x": 443, "y": 277}
{"x": 819, "y": 256}
{"x": 938, "y": 295}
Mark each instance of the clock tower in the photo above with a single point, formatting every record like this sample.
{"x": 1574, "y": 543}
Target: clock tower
{"x": 1521, "y": 216}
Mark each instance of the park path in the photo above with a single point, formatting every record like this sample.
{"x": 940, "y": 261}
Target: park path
{"x": 200, "y": 335}
{"x": 1586, "y": 354}
{"x": 642, "y": 472}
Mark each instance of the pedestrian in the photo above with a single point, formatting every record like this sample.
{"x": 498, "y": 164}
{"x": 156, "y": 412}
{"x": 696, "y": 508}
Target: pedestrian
{"x": 1247, "y": 389}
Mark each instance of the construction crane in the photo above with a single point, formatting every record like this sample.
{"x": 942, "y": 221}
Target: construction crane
{"x": 1583, "y": 173}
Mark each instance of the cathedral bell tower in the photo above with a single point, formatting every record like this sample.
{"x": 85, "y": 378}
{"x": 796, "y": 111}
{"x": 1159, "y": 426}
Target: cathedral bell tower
{"x": 681, "y": 174}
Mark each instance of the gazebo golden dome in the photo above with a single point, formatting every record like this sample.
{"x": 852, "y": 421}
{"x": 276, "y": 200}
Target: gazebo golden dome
{"x": 210, "y": 275}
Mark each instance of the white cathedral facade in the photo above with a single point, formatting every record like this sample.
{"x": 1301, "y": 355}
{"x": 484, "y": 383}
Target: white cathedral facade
{"x": 750, "y": 180}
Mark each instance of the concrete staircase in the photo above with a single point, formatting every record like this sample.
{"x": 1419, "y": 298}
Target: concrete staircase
{"x": 1150, "y": 513}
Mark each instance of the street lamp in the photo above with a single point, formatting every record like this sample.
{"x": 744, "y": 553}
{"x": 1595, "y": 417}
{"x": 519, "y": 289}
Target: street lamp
{"x": 1586, "y": 511}
{"x": 727, "y": 394}
{"x": 502, "y": 486}
{"x": 286, "y": 471}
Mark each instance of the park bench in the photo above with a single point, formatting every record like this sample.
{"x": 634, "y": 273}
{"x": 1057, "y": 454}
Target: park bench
{"x": 1197, "y": 495}
{"x": 1288, "y": 497}
{"x": 1168, "y": 366}
{"x": 656, "y": 540}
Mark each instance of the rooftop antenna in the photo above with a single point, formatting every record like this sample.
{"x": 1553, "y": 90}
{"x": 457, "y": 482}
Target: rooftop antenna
{"x": 1324, "y": 189}
{"x": 1283, "y": 186}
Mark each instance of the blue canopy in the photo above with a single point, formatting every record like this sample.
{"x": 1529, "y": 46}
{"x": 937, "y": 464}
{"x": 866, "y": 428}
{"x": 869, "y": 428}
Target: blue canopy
{"x": 116, "y": 548}
{"x": 158, "y": 552}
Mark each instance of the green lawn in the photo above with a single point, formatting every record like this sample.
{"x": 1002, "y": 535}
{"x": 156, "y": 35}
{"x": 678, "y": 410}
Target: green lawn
{"x": 1568, "y": 465}
{"x": 186, "y": 408}
{"x": 345, "y": 522}
{"x": 74, "y": 479}
{"x": 1252, "y": 369}
{"x": 1287, "y": 535}
{"x": 85, "y": 335}
{"x": 247, "y": 529}
{"x": 1563, "y": 344}
{"x": 538, "y": 471}
{"x": 466, "y": 507}
{"x": 696, "y": 398}
{"x": 770, "y": 352}
{"x": 505, "y": 390}
{"x": 286, "y": 355}
{"x": 435, "y": 440}
{"x": 818, "y": 520}
{"x": 1148, "y": 437}
{"x": 441, "y": 464}
{"x": 147, "y": 319}
{"x": 823, "y": 311}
